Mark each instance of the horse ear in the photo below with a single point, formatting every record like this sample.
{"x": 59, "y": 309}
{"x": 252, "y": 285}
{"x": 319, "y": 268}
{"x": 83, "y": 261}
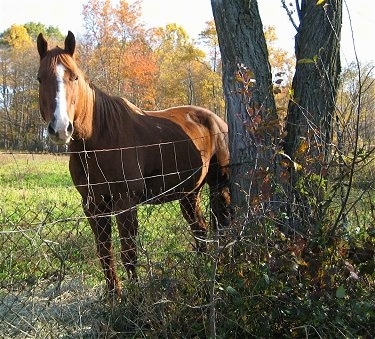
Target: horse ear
{"x": 70, "y": 43}
{"x": 42, "y": 45}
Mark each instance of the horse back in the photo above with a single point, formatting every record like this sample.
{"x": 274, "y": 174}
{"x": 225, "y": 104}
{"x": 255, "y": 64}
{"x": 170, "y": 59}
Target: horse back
{"x": 208, "y": 131}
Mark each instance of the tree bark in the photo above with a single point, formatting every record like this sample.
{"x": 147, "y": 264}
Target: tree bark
{"x": 311, "y": 109}
{"x": 249, "y": 106}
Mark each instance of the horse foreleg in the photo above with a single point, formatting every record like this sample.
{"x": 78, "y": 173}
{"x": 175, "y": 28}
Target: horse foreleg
{"x": 101, "y": 227}
{"x": 127, "y": 224}
{"x": 192, "y": 212}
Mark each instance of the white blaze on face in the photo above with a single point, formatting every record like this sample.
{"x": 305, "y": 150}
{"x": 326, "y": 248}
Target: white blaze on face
{"x": 61, "y": 114}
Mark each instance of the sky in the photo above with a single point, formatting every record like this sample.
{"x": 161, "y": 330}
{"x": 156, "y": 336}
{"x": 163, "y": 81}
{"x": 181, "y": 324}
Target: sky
{"x": 192, "y": 16}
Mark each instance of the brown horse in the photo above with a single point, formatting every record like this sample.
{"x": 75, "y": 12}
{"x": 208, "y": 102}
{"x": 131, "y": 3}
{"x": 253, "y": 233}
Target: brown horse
{"x": 121, "y": 156}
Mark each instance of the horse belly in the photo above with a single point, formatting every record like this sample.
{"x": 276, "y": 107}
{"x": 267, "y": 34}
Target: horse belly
{"x": 172, "y": 170}
{"x": 160, "y": 188}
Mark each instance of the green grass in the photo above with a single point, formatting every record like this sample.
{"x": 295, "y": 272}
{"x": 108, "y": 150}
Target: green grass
{"x": 33, "y": 186}
{"x": 264, "y": 284}
{"x": 48, "y": 253}
{"x": 40, "y": 229}
{"x": 43, "y": 230}
{"x": 34, "y": 170}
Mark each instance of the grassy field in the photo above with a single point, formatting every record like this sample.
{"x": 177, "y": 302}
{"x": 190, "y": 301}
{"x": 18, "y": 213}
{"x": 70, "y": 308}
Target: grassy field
{"x": 47, "y": 247}
{"x": 40, "y": 206}
{"x": 263, "y": 285}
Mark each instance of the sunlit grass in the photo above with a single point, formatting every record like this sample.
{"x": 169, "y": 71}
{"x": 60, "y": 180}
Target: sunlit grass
{"x": 43, "y": 228}
{"x": 33, "y": 185}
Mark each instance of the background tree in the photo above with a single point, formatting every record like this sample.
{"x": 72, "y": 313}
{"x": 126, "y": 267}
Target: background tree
{"x": 180, "y": 64}
{"x": 20, "y": 123}
{"x": 140, "y": 67}
{"x": 311, "y": 109}
{"x": 353, "y": 93}
{"x": 250, "y": 105}
{"x": 354, "y": 152}
{"x": 208, "y": 38}
{"x": 282, "y": 67}
{"x": 52, "y": 33}
{"x": 116, "y": 51}
{"x": 17, "y": 37}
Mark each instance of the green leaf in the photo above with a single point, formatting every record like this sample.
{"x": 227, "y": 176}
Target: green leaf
{"x": 231, "y": 290}
{"x": 305, "y": 61}
{"x": 340, "y": 292}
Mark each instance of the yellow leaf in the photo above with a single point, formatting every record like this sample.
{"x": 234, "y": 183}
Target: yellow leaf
{"x": 296, "y": 165}
{"x": 302, "y": 148}
{"x": 320, "y": 2}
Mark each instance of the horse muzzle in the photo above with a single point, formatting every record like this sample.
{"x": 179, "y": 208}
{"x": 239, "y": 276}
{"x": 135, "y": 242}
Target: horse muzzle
{"x": 60, "y": 133}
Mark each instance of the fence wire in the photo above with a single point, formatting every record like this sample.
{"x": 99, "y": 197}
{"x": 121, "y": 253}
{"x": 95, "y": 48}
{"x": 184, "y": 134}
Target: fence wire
{"x": 51, "y": 282}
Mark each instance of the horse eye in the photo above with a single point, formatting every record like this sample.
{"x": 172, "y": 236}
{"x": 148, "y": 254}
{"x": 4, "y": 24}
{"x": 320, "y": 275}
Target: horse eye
{"x": 74, "y": 77}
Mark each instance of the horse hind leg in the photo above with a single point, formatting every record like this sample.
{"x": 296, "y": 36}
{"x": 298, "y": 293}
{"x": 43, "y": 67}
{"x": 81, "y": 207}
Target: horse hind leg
{"x": 221, "y": 211}
{"x": 192, "y": 213}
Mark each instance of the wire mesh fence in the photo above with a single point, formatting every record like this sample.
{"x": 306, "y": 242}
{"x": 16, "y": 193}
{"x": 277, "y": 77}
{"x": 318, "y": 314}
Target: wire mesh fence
{"x": 253, "y": 281}
{"x": 51, "y": 282}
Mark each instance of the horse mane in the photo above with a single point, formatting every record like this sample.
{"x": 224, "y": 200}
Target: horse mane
{"x": 108, "y": 112}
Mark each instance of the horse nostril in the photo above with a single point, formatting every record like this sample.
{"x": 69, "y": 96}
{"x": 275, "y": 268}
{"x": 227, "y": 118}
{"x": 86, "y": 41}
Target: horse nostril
{"x": 60, "y": 131}
{"x": 51, "y": 130}
{"x": 70, "y": 128}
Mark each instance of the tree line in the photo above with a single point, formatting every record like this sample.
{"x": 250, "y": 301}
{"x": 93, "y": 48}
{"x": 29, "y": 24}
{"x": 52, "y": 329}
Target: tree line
{"x": 154, "y": 68}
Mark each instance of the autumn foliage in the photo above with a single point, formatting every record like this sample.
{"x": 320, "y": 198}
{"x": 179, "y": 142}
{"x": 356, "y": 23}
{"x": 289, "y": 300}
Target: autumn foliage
{"x": 262, "y": 279}
{"x": 155, "y": 68}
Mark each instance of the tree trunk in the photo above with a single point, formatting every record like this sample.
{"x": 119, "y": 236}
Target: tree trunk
{"x": 250, "y": 106}
{"x": 310, "y": 111}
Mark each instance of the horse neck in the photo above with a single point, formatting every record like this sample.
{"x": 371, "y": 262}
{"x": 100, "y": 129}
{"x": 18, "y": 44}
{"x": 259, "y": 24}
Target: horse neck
{"x": 83, "y": 122}
{"x": 101, "y": 114}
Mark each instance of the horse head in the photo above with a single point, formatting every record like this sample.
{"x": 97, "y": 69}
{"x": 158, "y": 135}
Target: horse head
{"x": 58, "y": 78}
